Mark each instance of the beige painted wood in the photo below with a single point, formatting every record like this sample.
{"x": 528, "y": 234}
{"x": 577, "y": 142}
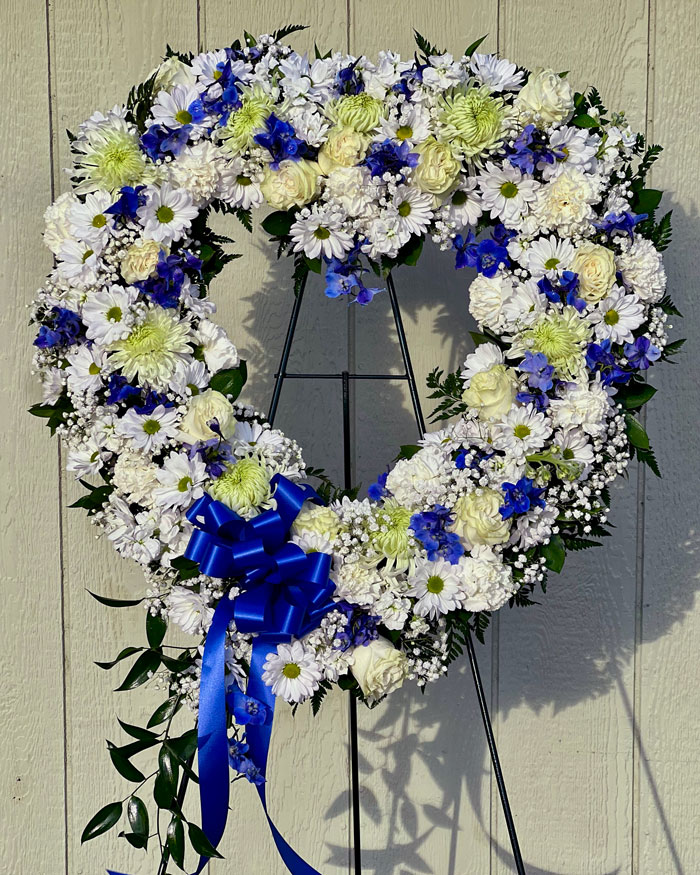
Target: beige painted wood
{"x": 32, "y": 837}
{"x": 608, "y": 657}
{"x": 565, "y": 675}
{"x": 668, "y": 756}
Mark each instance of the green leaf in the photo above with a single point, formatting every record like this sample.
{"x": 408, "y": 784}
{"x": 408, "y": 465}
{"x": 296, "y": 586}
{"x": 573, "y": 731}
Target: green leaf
{"x": 407, "y": 451}
{"x": 635, "y": 432}
{"x": 165, "y": 711}
{"x": 410, "y": 252}
{"x": 115, "y": 603}
{"x": 156, "y": 627}
{"x": 427, "y": 48}
{"x": 104, "y": 819}
{"x": 647, "y": 200}
{"x": 96, "y": 499}
{"x": 124, "y": 654}
{"x": 585, "y": 121}
{"x": 230, "y": 381}
{"x": 55, "y": 414}
{"x": 176, "y": 840}
{"x": 554, "y": 553}
{"x": 145, "y": 667}
{"x": 137, "y": 814}
{"x": 201, "y": 843}
{"x": 184, "y": 745}
{"x": 178, "y": 665}
{"x": 647, "y": 457}
{"x": 137, "y": 731}
{"x": 313, "y": 264}
{"x": 125, "y": 768}
{"x": 165, "y": 786}
{"x": 136, "y": 840}
{"x": 638, "y": 395}
{"x": 287, "y": 30}
{"x": 279, "y": 223}
{"x": 667, "y": 305}
{"x": 474, "y": 46}
{"x": 186, "y": 568}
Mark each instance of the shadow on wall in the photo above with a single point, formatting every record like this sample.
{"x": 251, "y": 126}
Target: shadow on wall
{"x": 577, "y": 645}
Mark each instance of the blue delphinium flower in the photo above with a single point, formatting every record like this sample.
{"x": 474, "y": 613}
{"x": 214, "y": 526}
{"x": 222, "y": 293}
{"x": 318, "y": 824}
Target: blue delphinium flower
{"x": 166, "y": 286}
{"x": 360, "y": 628}
{"x": 601, "y": 359}
{"x": 486, "y": 256}
{"x": 642, "y": 353}
{"x": 520, "y": 497}
{"x": 564, "y": 287}
{"x": 476, "y": 458}
{"x": 377, "y": 491}
{"x": 223, "y": 97}
{"x": 237, "y": 751}
{"x": 214, "y": 452}
{"x": 539, "y": 371}
{"x": 532, "y": 147}
{"x": 128, "y": 202}
{"x": 430, "y": 527}
{"x": 348, "y": 80}
{"x": 344, "y": 277}
{"x": 389, "y": 157}
{"x": 151, "y": 401}
{"x": 281, "y": 141}
{"x": 119, "y": 389}
{"x": 246, "y": 709}
{"x": 620, "y": 223}
{"x": 159, "y": 141}
{"x": 62, "y": 328}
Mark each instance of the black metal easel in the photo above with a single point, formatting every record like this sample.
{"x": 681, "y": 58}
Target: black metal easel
{"x": 408, "y": 375}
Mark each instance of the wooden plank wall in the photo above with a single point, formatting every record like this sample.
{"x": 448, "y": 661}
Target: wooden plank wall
{"x": 593, "y": 693}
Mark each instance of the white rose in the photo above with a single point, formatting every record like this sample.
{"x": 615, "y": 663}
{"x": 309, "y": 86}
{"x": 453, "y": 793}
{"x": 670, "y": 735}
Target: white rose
{"x": 545, "y": 98}
{"x": 344, "y": 147}
{"x": 595, "y": 266}
{"x": 437, "y": 169}
{"x": 478, "y": 520}
{"x": 293, "y": 185}
{"x": 172, "y": 72}
{"x": 140, "y": 260}
{"x": 492, "y": 392}
{"x": 201, "y": 409}
{"x": 487, "y": 295}
{"x": 379, "y": 668}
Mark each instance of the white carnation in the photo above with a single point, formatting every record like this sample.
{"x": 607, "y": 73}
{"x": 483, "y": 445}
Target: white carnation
{"x": 642, "y": 270}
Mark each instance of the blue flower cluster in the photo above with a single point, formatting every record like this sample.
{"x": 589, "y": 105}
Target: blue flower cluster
{"x": 430, "y": 528}
{"x": 62, "y": 327}
{"x": 344, "y": 277}
{"x": 520, "y": 497}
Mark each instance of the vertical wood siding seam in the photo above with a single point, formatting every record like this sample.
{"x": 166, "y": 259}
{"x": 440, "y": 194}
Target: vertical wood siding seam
{"x": 48, "y": 23}
{"x": 641, "y": 507}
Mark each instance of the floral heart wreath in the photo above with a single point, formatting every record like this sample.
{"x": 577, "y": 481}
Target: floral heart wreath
{"x": 288, "y": 590}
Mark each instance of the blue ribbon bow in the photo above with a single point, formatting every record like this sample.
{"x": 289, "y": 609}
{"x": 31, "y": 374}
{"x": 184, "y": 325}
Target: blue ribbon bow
{"x": 285, "y": 594}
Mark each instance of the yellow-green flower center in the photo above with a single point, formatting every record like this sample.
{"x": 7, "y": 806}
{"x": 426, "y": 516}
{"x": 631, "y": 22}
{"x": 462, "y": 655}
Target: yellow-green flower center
{"x": 183, "y": 117}
{"x": 551, "y": 263}
{"x": 164, "y": 214}
{"x": 405, "y": 132}
{"x": 322, "y": 233}
{"x": 151, "y": 426}
{"x": 459, "y": 198}
{"x": 291, "y": 670}
{"x": 393, "y": 539}
{"x": 99, "y": 221}
{"x": 117, "y": 163}
{"x": 509, "y": 189}
{"x": 87, "y": 254}
{"x": 568, "y": 454}
{"x": 184, "y": 484}
{"x": 435, "y": 584}
{"x": 114, "y": 314}
{"x": 521, "y": 431}
{"x": 404, "y": 209}
{"x": 243, "y": 124}
{"x": 244, "y": 180}
{"x": 94, "y": 369}
{"x": 612, "y": 317}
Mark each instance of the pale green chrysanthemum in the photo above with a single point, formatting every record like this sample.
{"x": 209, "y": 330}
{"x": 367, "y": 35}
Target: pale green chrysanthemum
{"x": 152, "y": 350}
{"x": 108, "y": 157}
{"x": 244, "y": 486}
{"x": 361, "y": 112}
{"x": 563, "y": 338}
{"x": 243, "y": 124}
{"x": 472, "y": 121}
{"x": 393, "y": 539}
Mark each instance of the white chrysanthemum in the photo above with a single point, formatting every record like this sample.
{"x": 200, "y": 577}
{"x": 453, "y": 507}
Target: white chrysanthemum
{"x": 488, "y": 583}
{"x": 419, "y": 480}
{"x": 180, "y": 106}
{"x": 108, "y": 314}
{"x": 548, "y": 255}
{"x": 357, "y": 584}
{"x": 642, "y": 270}
{"x": 213, "y": 342}
{"x": 85, "y": 366}
{"x": 521, "y": 431}
{"x": 153, "y": 348}
{"x": 78, "y": 262}
{"x": 57, "y": 220}
{"x": 188, "y": 610}
{"x": 107, "y": 156}
{"x": 506, "y": 192}
{"x": 484, "y": 357}
{"x": 198, "y": 170}
{"x": 393, "y": 610}
{"x": 414, "y": 208}
{"x": 167, "y": 213}
{"x": 393, "y": 539}
{"x": 437, "y": 586}
{"x": 150, "y": 431}
{"x": 309, "y": 123}
{"x": 292, "y": 672}
{"x": 487, "y": 297}
{"x": 248, "y": 120}
{"x": 499, "y": 74}
{"x": 584, "y": 406}
{"x": 564, "y": 204}
{"x": 616, "y": 317}
{"x": 579, "y": 148}
{"x": 134, "y": 477}
{"x": 181, "y": 480}
{"x": 89, "y": 222}
{"x": 320, "y": 233}
{"x": 52, "y": 383}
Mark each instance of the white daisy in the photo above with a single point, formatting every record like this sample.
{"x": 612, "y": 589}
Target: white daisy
{"x": 167, "y": 213}
{"x": 506, "y": 192}
{"x": 208, "y": 66}
{"x": 484, "y": 357}
{"x": 189, "y": 377}
{"x": 548, "y": 255}
{"x": 240, "y": 184}
{"x": 463, "y": 206}
{"x": 108, "y": 314}
{"x": 85, "y": 367}
{"x": 384, "y": 235}
{"x": 180, "y": 106}
{"x": 213, "y": 342}
{"x": 87, "y": 458}
{"x": 498, "y": 73}
{"x": 579, "y": 149}
{"x": 181, "y": 481}
{"x": 617, "y": 316}
{"x": 78, "y": 261}
{"x": 414, "y": 208}
{"x": 574, "y": 446}
{"x": 320, "y": 233}
{"x": 253, "y": 436}
{"x": 411, "y": 123}
{"x": 188, "y": 610}
{"x": 89, "y": 221}
{"x": 437, "y": 588}
{"x": 292, "y": 672}
{"x": 150, "y": 431}
{"x": 521, "y": 431}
